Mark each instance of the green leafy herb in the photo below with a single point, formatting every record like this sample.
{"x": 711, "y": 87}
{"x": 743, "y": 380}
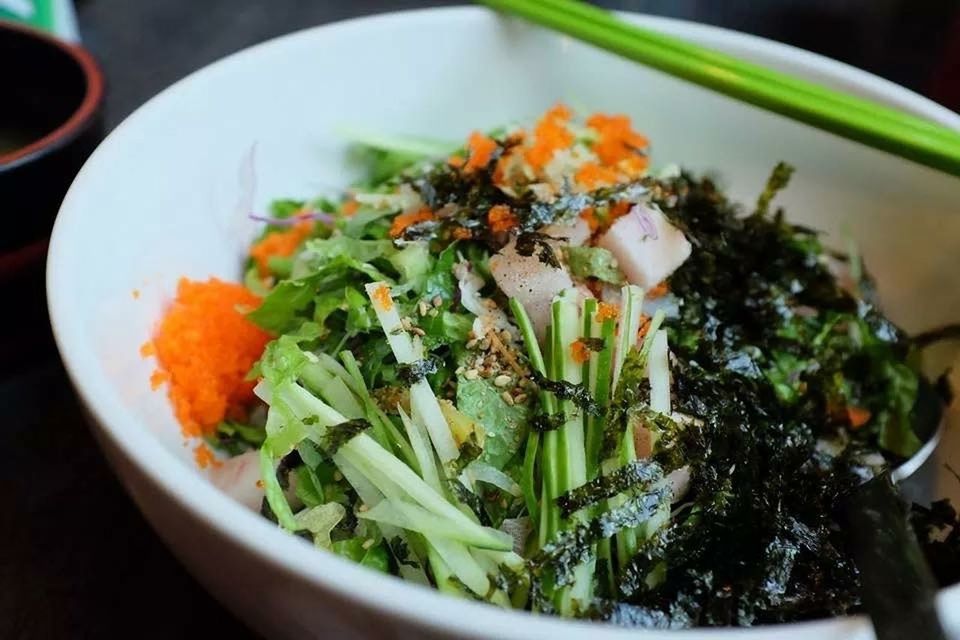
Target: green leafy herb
{"x": 504, "y": 424}
{"x": 367, "y": 552}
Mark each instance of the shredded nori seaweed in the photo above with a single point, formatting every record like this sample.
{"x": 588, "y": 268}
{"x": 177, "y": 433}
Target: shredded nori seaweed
{"x": 401, "y": 553}
{"x": 637, "y": 474}
{"x": 338, "y": 435}
{"x": 576, "y": 393}
{"x": 469, "y": 498}
{"x": 543, "y": 422}
{"x": 572, "y": 547}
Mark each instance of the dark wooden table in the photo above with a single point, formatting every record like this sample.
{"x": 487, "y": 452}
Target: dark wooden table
{"x": 76, "y": 558}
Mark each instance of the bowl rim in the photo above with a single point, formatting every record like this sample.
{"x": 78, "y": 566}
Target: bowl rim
{"x": 81, "y": 118}
{"x": 386, "y": 595}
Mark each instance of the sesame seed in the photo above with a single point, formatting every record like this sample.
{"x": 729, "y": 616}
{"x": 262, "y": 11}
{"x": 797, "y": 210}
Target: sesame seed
{"x": 484, "y": 344}
{"x": 471, "y": 374}
{"x": 405, "y": 323}
{"x": 422, "y": 308}
{"x": 521, "y": 398}
{"x": 505, "y": 336}
{"x": 418, "y": 331}
{"x": 502, "y": 380}
{"x": 472, "y": 343}
{"x": 362, "y": 508}
{"x": 367, "y": 543}
{"x": 507, "y": 398}
{"x": 437, "y": 301}
{"x": 459, "y": 370}
{"x": 433, "y": 313}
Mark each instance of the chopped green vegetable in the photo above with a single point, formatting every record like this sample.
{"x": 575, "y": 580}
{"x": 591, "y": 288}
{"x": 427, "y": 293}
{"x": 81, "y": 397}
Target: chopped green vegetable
{"x": 593, "y": 262}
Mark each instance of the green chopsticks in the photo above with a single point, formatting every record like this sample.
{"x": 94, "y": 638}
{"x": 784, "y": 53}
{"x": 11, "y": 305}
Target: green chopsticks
{"x": 843, "y": 114}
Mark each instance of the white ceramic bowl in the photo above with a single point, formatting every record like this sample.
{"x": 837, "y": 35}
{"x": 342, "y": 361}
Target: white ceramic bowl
{"x": 159, "y": 199}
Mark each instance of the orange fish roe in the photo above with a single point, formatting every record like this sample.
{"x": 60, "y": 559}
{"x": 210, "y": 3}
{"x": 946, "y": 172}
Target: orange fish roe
{"x": 515, "y": 138}
{"x": 549, "y": 136}
{"x": 481, "y": 151}
{"x": 456, "y": 161}
{"x": 590, "y": 175}
{"x": 635, "y": 166}
{"x": 381, "y": 296}
{"x": 617, "y": 140}
{"x": 205, "y": 347}
{"x": 644, "y": 326}
{"x": 618, "y": 209}
{"x": 658, "y": 291}
{"x": 606, "y": 311}
{"x": 404, "y": 220}
{"x": 461, "y": 233}
{"x": 349, "y": 207}
{"x": 157, "y": 378}
{"x": 279, "y": 244}
{"x": 499, "y": 176}
{"x": 589, "y": 215}
{"x": 148, "y": 349}
{"x": 858, "y": 417}
{"x": 579, "y": 351}
{"x": 501, "y": 218}
{"x": 204, "y": 457}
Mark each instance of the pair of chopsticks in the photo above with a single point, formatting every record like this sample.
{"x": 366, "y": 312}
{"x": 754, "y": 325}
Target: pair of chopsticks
{"x": 843, "y": 114}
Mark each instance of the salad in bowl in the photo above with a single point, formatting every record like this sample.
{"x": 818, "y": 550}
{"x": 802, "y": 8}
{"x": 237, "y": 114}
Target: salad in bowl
{"x": 538, "y": 372}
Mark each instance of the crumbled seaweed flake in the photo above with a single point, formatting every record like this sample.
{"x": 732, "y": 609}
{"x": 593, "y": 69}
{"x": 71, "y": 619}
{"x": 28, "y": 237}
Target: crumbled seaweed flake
{"x": 469, "y": 451}
{"x": 401, "y": 552}
{"x": 538, "y": 215}
{"x": 470, "y": 499}
{"x": 267, "y": 512}
{"x": 543, "y": 422}
{"x": 338, "y": 435}
{"x": 414, "y": 372}
{"x": 637, "y": 474}
{"x": 532, "y": 242}
{"x": 287, "y": 464}
{"x": 576, "y": 393}
{"x": 425, "y": 230}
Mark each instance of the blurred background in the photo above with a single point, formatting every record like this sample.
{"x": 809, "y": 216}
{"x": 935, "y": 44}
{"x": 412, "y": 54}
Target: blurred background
{"x": 76, "y": 559}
